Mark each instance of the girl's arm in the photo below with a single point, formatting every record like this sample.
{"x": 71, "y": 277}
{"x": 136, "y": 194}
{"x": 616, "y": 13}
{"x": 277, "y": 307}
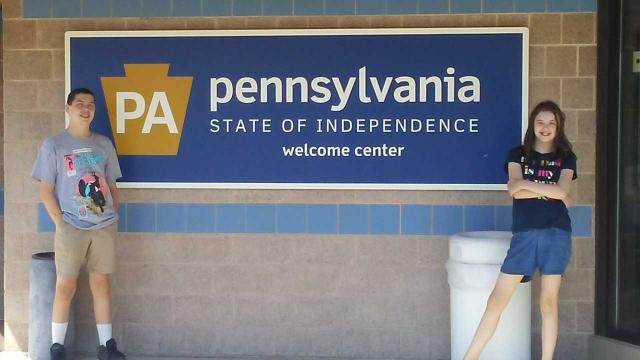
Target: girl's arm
{"x": 525, "y": 194}
{"x": 557, "y": 191}
{"x": 515, "y": 176}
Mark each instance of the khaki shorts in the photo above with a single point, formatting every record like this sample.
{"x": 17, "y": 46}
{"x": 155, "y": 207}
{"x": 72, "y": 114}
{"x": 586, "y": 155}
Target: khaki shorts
{"x": 72, "y": 246}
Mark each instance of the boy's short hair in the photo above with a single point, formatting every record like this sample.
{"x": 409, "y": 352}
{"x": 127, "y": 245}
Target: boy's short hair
{"x": 76, "y": 91}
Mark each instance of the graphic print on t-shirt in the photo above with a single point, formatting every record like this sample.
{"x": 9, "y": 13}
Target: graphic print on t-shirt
{"x": 86, "y": 156}
{"x": 542, "y": 171}
{"x": 89, "y": 195}
{"x": 69, "y": 165}
{"x": 90, "y": 186}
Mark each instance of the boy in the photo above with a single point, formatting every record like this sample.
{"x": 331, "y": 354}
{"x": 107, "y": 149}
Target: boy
{"x": 77, "y": 171}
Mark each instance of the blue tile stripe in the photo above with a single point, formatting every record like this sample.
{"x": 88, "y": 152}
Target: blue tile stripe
{"x": 37, "y": 8}
{"x": 173, "y": 8}
{"x": 371, "y": 219}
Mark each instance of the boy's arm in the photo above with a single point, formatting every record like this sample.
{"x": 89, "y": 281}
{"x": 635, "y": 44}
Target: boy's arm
{"x": 114, "y": 196}
{"x": 48, "y": 197}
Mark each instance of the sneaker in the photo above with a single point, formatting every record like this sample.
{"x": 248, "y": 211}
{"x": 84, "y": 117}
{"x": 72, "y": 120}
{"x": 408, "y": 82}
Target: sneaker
{"x": 110, "y": 351}
{"x": 57, "y": 352}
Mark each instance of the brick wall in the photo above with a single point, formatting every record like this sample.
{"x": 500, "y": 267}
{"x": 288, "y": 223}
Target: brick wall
{"x": 361, "y": 295}
{"x": 1, "y": 195}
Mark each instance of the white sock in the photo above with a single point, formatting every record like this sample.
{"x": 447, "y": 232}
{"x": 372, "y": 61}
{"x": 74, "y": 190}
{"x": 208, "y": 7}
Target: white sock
{"x": 58, "y": 332}
{"x": 104, "y": 333}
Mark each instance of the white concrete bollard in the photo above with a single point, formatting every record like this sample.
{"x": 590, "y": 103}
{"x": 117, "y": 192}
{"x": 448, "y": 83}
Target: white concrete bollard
{"x": 473, "y": 267}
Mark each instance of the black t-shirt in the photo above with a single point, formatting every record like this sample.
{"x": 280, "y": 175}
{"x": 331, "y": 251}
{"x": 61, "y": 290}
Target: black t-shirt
{"x": 541, "y": 212}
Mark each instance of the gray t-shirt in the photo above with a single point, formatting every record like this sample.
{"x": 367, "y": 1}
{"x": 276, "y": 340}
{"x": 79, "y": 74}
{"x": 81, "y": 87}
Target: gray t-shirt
{"x": 80, "y": 171}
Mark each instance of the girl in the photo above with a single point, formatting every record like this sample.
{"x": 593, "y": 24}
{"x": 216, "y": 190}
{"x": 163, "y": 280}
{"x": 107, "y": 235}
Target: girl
{"x": 540, "y": 175}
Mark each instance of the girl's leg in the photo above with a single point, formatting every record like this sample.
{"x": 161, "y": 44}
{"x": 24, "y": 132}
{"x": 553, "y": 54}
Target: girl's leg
{"x": 497, "y": 302}
{"x": 549, "y": 291}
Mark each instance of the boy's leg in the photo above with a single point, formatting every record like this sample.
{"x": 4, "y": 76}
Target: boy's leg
{"x": 101, "y": 291}
{"x": 100, "y": 263}
{"x": 70, "y": 247}
{"x": 549, "y": 291}
{"x": 65, "y": 289}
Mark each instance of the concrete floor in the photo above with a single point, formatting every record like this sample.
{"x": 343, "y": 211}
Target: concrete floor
{"x": 23, "y": 356}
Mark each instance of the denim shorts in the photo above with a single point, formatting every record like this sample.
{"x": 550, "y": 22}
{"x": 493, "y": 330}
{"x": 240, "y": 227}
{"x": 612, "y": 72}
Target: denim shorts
{"x": 547, "y": 249}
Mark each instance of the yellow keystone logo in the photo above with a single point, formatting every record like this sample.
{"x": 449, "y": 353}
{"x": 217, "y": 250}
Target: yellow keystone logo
{"x": 147, "y": 109}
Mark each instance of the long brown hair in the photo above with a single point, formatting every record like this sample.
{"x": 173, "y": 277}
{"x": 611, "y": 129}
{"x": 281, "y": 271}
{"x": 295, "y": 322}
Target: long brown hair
{"x": 561, "y": 145}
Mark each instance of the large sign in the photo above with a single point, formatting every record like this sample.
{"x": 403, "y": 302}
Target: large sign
{"x": 315, "y": 109}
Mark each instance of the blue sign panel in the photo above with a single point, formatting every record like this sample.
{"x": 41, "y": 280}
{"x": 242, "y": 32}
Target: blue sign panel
{"x": 362, "y": 109}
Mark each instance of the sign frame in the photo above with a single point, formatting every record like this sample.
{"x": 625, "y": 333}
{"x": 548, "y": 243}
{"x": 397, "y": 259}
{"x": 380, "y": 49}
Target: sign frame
{"x": 311, "y": 32}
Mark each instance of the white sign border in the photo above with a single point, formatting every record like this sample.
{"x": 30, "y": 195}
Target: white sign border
{"x": 310, "y": 32}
